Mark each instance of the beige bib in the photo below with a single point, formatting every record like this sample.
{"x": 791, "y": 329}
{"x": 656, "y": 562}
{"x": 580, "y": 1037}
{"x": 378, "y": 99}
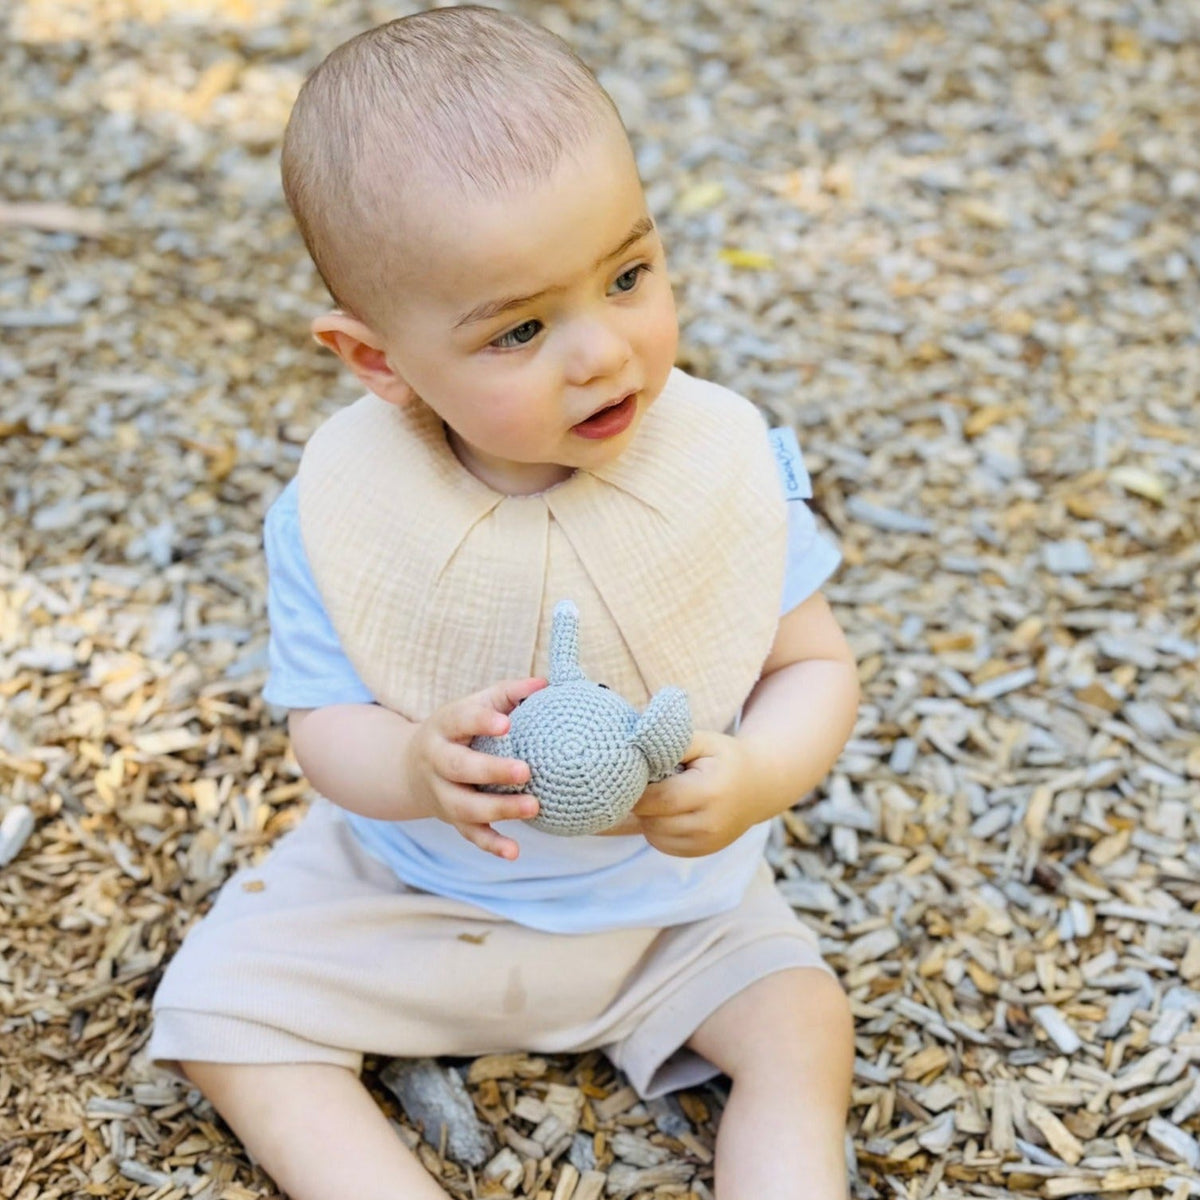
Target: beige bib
{"x": 438, "y": 586}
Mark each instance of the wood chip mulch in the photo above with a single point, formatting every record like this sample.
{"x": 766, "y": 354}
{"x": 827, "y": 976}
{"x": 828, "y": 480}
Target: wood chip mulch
{"x": 955, "y": 245}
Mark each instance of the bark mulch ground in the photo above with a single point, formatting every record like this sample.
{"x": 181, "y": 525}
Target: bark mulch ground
{"x": 955, "y": 246}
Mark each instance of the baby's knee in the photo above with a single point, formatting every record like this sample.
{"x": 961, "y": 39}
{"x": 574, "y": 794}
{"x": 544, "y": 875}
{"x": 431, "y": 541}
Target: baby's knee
{"x": 822, "y": 1023}
{"x": 793, "y": 1017}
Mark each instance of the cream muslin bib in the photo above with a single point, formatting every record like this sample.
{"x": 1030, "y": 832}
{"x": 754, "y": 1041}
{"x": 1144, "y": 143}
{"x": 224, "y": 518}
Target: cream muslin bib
{"x": 439, "y": 586}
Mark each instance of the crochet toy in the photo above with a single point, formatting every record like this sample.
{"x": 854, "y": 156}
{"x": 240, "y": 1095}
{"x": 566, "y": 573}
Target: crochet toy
{"x": 590, "y": 753}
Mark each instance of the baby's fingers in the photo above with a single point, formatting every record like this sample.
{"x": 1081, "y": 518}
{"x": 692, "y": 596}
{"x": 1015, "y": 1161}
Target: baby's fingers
{"x": 505, "y": 696}
{"x": 460, "y": 764}
{"x": 474, "y": 812}
{"x": 488, "y": 840}
{"x": 626, "y": 827}
{"x": 465, "y": 806}
{"x": 485, "y": 713}
{"x": 670, "y": 798}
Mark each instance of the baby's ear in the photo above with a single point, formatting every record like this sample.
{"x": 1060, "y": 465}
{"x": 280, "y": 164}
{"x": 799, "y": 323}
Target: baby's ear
{"x": 361, "y": 349}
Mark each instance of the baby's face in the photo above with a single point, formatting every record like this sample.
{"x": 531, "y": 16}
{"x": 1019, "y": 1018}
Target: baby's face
{"x": 540, "y": 325}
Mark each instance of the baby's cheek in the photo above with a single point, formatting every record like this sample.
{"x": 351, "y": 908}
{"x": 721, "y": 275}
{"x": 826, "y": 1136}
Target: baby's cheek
{"x": 659, "y": 340}
{"x": 503, "y": 407}
{"x": 522, "y": 430}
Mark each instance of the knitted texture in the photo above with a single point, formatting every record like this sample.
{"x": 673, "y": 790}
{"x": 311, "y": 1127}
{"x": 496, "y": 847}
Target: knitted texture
{"x": 590, "y": 753}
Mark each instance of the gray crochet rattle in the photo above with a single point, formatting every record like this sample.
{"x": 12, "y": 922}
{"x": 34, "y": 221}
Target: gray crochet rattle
{"x": 590, "y": 753}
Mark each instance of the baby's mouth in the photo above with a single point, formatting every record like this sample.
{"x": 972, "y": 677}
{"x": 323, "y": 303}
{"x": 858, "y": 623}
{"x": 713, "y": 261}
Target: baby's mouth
{"x": 609, "y": 421}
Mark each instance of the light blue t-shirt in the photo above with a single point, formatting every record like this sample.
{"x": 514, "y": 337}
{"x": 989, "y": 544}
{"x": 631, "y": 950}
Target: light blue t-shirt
{"x": 563, "y": 885}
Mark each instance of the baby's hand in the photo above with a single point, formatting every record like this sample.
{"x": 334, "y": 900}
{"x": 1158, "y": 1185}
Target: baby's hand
{"x": 697, "y": 810}
{"x": 443, "y": 771}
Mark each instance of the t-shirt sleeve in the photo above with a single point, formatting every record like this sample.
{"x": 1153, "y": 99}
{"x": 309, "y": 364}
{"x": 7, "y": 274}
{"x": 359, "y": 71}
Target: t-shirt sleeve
{"x": 812, "y": 556}
{"x": 306, "y": 665}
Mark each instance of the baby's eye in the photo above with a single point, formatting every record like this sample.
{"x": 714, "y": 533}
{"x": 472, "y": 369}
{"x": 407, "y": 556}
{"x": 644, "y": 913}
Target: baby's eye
{"x": 628, "y": 280}
{"x": 522, "y": 335}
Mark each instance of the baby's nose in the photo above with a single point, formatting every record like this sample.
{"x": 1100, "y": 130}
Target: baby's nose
{"x": 599, "y": 351}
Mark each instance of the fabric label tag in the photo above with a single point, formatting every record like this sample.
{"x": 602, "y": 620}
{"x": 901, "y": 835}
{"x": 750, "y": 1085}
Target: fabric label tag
{"x": 796, "y": 484}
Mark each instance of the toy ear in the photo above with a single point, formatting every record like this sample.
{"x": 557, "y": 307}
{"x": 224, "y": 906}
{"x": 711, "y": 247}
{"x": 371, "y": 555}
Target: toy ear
{"x": 564, "y": 643}
{"x": 664, "y": 731}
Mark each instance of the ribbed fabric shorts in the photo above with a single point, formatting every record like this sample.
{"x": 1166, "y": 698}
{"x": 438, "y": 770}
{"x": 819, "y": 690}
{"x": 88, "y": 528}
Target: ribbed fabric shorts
{"x": 321, "y": 954}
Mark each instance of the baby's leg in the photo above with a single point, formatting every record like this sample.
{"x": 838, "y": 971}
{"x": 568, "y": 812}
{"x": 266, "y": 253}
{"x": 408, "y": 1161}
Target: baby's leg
{"x": 316, "y": 1130}
{"x": 787, "y": 1042}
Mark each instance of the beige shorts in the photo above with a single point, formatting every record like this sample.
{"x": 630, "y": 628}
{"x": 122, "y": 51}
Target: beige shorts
{"x": 322, "y": 955}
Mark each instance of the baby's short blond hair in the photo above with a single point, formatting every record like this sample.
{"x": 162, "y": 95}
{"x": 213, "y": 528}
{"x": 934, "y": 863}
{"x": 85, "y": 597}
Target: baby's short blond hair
{"x": 466, "y": 98}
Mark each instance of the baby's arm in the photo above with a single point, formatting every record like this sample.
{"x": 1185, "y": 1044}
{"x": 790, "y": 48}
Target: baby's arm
{"x": 794, "y": 725}
{"x": 372, "y": 761}
{"x": 802, "y": 710}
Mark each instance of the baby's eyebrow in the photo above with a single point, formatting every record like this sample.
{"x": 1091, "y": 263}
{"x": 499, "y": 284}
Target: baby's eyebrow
{"x": 493, "y": 308}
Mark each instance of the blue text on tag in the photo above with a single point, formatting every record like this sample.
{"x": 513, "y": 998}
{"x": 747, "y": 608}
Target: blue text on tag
{"x": 795, "y": 480}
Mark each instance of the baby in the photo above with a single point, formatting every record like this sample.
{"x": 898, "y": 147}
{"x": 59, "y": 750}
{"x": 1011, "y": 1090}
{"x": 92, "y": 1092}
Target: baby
{"x": 469, "y": 196}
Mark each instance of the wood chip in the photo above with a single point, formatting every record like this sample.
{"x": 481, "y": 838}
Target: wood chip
{"x": 1111, "y": 1181}
{"x": 1052, "y": 1021}
{"x": 15, "y": 830}
{"x": 591, "y": 1186}
{"x": 568, "y": 1178}
{"x": 54, "y": 218}
{"x": 1059, "y": 1137}
{"x": 1175, "y": 1143}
